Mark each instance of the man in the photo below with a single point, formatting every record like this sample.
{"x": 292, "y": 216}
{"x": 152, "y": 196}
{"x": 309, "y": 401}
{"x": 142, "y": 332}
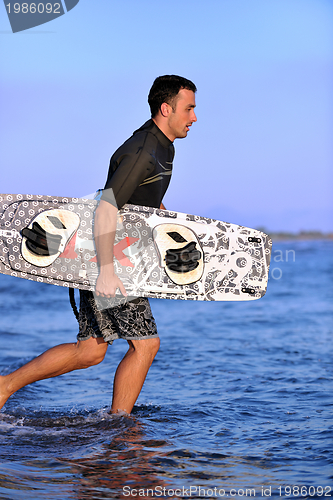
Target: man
{"x": 139, "y": 173}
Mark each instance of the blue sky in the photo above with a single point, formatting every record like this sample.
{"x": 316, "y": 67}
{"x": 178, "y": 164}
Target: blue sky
{"x": 74, "y": 89}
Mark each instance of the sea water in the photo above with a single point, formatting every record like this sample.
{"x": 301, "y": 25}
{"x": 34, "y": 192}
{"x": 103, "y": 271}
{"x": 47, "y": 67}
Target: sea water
{"x": 238, "y": 401}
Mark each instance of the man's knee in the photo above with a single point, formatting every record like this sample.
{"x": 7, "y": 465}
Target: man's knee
{"x": 146, "y": 346}
{"x": 91, "y": 351}
{"x": 154, "y": 345}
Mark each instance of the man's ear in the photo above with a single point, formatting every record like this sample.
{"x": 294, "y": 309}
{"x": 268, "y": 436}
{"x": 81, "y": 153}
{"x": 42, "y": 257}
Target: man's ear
{"x": 165, "y": 109}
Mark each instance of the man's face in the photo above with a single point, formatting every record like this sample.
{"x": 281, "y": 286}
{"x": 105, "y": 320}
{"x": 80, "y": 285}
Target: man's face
{"x": 182, "y": 116}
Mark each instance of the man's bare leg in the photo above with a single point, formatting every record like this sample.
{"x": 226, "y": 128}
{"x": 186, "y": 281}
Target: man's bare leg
{"x": 60, "y": 359}
{"x": 131, "y": 373}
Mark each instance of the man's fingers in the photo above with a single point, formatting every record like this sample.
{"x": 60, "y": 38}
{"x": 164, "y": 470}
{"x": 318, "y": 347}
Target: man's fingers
{"x": 122, "y": 289}
{"x": 112, "y": 292}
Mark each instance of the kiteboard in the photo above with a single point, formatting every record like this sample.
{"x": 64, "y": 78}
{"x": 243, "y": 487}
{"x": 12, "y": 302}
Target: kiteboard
{"x": 157, "y": 253}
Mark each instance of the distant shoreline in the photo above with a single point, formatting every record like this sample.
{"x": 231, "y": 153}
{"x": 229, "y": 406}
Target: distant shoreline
{"x": 302, "y": 235}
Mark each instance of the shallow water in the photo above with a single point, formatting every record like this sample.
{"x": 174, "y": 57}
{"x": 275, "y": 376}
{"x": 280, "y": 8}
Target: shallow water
{"x": 238, "y": 398}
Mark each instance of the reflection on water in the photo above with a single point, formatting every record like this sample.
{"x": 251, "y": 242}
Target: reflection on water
{"x": 122, "y": 460}
{"x": 106, "y": 453}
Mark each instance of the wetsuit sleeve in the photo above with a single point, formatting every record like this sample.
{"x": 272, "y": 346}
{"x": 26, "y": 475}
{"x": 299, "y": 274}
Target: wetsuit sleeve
{"x": 130, "y": 170}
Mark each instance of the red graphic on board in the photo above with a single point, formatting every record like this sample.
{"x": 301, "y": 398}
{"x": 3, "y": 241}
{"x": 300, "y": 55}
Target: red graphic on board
{"x": 118, "y": 251}
{"x": 69, "y": 252}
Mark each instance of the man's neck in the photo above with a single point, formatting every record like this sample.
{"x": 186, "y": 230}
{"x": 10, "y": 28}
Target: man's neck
{"x": 163, "y": 128}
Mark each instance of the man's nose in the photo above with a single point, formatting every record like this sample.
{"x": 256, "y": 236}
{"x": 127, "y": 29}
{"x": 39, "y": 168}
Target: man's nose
{"x": 194, "y": 117}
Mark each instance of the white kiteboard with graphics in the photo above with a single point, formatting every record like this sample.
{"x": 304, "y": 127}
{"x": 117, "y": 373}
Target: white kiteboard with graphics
{"x": 157, "y": 253}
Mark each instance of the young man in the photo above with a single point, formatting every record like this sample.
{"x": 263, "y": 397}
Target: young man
{"x": 139, "y": 173}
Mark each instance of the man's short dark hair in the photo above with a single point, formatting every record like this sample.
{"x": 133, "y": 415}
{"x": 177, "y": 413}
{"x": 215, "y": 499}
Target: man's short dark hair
{"x": 165, "y": 89}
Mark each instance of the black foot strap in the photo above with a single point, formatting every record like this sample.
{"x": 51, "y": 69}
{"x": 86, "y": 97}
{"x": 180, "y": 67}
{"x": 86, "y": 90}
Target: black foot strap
{"x": 40, "y": 242}
{"x": 183, "y": 260}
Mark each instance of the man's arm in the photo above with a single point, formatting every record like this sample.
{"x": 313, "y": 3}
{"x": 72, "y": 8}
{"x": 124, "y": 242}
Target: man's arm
{"x": 105, "y": 226}
{"x": 162, "y": 207}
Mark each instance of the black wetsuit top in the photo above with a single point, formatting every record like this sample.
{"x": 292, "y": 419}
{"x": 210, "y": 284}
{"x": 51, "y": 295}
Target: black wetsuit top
{"x": 140, "y": 169}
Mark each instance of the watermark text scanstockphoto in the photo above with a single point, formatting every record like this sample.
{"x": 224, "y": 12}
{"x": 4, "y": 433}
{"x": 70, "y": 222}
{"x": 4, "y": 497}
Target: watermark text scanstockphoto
{"x": 203, "y": 492}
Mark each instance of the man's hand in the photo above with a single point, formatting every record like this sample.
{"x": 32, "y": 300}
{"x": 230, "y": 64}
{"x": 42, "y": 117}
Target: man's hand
{"x": 105, "y": 226}
{"x": 108, "y": 283}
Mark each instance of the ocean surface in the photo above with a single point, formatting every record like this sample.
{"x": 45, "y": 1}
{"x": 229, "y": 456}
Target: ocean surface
{"x": 238, "y": 402}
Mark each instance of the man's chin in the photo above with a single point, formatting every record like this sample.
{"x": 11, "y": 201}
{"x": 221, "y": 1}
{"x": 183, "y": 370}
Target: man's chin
{"x": 182, "y": 134}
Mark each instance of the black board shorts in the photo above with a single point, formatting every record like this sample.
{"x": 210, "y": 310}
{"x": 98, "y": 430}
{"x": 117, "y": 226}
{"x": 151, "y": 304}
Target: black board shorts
{"x": 132, "y": 320}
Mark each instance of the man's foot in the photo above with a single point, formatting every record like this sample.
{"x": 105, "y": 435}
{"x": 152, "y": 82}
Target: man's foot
{"x": 121, "y": 413}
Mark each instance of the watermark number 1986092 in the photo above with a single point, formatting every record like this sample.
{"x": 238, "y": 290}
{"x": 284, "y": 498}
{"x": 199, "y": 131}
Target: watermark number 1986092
{"x": 27, "y": 14}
